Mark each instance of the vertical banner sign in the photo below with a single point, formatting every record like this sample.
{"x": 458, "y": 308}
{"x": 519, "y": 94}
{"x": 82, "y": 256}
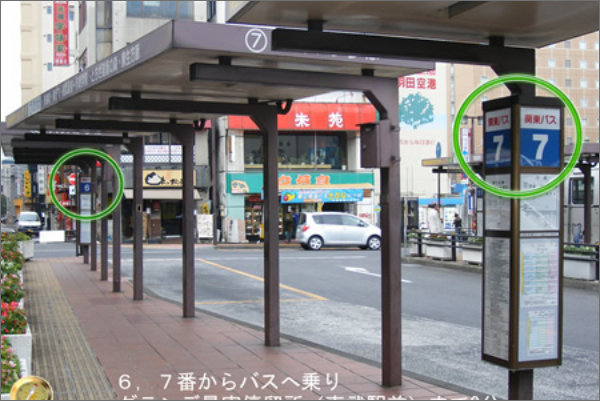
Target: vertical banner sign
{"x": 85, "y": 193}
{"x": 61, "y": 33}
{"x": 522, "y": 271}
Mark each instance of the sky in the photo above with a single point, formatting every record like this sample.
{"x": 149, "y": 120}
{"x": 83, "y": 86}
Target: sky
{"x": 11, "y": 57}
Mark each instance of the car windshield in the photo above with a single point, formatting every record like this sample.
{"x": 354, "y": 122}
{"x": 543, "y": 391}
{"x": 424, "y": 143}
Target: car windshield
{"x": 29, "y": 217}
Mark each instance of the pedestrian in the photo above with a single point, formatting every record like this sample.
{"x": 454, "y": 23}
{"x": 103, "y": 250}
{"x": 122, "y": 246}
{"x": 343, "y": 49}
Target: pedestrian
{"x": 295, "y": 219}
{"x": 457, "y": 225}
{"x": 433, "y": 219}
{"x": 287, "y": 226}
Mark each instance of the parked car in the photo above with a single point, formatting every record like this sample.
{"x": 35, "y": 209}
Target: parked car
{"x": 29, "y": 223}
{"x": 316, "y": 230}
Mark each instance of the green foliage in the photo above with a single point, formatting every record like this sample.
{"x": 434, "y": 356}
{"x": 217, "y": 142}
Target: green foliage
{"x": 475, "y": 240}
{"x": 14, "y": 319}
{"x": 437, "y": 237}
{"x": 11, "y": 368}
{"x": 12, "y": 288}
{"x": 579, "y": 249}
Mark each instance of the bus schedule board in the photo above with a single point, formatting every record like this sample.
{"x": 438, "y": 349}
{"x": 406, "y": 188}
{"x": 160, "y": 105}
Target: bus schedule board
{"x": 522, "y": 258}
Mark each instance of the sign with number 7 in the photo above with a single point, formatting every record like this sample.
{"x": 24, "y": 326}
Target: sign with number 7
{"x": 540, "y": 137}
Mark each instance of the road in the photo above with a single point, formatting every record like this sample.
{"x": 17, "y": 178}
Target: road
{"x": 332, "y": 298}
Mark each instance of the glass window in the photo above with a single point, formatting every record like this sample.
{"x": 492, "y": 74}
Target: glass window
{"x": 49, "y": 38}
{"x": 49, "y": 66}
{"x": 552, "y": 81}
{"x": 582, "y": 45}
{"x": 596, "y": 46}
{"x": 83, "y": 13}
{"x": 160, "y": 9}
{"x": 584, "y": 122}
{"x": 578, "y": 191}
{"x": 551, "y": 63}
{"x": 211, "y": 10}
{"x": 569, "y": 122}
{"x": 596, "y": 63}
{"x": 297, "y": 151}
{"x": 49, "y": 10}
{"x": 567, "y": 44}
{"x": 568, "y": 83}
{"x": 483, "y": 79}
{"x": 584, "y": 103}
{"x": 583, "y": 64}
{"x": 333, "y": 219}
{"x": 352, "y": 221}
{"x": 567, "y": 63}
{"x": 583, "y": 83}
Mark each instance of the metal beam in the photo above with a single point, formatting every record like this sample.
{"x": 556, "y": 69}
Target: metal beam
{"x": 267, "y": 121}
{"x": 109, "y": 125}
{"x": 74, "y": 140}
{"x": 93, "y": 224}
{"x": 104, "y": 223}
{"x": 185, "y": 106}
{"x": 502, "y": 59}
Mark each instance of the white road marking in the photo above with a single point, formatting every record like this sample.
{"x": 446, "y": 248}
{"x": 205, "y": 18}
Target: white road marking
{"x": 365, "y": 272}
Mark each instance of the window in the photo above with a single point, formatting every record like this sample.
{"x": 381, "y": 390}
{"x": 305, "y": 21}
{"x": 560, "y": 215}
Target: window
{"x": 82, "y": 15}
{"x": 160, "y": 9}
{"x": 297, "y": 151}
{"x": 211, "y": 10}
{"x": 352, "y": 221}
{"x": 583, "y": 64}
{"x": 567, "y": 63}
{"x": 596, "y": 84}
{"x": 582, "y": 45}
{"x": 584, "y": 103}
{"x": 157, "y": 139}
{"x": 48, "y": 38}
{"x": 483, "y": 79}
{"x": 596, "y": 63}
{"x": 569, "y": 122}
{"x": 578, "y": 191}
{"x": 584, "y": 122}
{"x": 568, "y": 83}
{"x": 49, "y": 66}
{"x": 597, "y": 103}
{"x": 567, "y": 44}
{"x": 583, "y": 83}
{"x": 49, "y": 10}
{"x": 596, "y": 46}
{"x": 332, "y": 219}
{"x": 551, "y": 63}
{"x": 552, "y": 81}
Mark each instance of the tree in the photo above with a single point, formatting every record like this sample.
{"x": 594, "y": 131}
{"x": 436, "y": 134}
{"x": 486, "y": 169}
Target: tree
{"x": 4, "y": 205}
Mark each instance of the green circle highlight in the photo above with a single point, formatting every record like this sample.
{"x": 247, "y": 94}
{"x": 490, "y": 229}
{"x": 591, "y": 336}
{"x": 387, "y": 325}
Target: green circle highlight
{"x": 505, "y": 193}
{"x": 99, "y": 155}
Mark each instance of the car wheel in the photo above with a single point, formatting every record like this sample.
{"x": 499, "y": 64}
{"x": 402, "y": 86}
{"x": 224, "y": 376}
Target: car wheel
{"x": 315, "y": 243}
{"x": 374, "y": 243}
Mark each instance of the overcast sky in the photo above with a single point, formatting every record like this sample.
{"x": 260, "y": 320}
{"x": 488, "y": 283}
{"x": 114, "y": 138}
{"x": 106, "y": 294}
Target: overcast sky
{"x": 11, "y": 57}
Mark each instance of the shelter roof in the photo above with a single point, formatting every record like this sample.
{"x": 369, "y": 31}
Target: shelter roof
{"x": 528, "y": 24}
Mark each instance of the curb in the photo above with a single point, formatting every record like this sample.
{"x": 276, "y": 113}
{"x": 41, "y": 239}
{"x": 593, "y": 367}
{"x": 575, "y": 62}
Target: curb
{"x": 567, "y": 282}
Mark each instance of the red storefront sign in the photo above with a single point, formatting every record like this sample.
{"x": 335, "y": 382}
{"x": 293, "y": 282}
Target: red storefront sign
{"x": 61, "y": 33}
{"x": 316, "y": 117}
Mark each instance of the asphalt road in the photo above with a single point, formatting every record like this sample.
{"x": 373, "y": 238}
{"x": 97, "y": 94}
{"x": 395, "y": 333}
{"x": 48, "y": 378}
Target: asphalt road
{"x": 332, "y": 298}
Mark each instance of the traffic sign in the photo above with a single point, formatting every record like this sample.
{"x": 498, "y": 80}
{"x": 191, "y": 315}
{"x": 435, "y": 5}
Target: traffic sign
{"x": 72, "y": 179}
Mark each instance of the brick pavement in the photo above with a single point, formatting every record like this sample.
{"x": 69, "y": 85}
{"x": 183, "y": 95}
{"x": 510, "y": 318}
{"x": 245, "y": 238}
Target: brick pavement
{"x": 142, "y": 344}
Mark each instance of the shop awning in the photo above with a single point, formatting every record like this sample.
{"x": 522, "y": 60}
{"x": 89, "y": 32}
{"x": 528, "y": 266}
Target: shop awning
{"x": 161, "y": 194}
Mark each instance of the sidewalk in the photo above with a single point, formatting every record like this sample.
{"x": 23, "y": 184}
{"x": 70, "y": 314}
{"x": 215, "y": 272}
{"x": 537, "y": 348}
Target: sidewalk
{"x": 94, "y": 344}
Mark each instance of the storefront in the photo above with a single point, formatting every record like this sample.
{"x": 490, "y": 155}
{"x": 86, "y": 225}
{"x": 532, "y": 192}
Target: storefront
{"x": 318, "y": 162}
{"x": 350, "y": 192}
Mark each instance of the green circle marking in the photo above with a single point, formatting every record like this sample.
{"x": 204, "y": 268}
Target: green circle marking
{"x": 505, "y": 193}
{"x": 99, "y": 155}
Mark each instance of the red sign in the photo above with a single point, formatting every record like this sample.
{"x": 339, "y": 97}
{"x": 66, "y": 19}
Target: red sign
{"x": 72, "y": 179}
{"x": 316, "y": 117}
{"x": 61, "y": 33}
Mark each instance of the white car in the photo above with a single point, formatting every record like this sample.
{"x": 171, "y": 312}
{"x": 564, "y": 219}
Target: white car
{"x": 316, "y": 230}
{"x": 29, "y": 223}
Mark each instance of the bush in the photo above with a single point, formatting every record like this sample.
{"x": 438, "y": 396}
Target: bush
{"x": 14, "y": 320}
{"x": 11, "y": 368}
{"x": 12, "y": 289}
{"x": 579, "y": 249}
{"x": 475, "y": 240}
{"x": 12, "y": 256}
{"x": 437, "y": 237}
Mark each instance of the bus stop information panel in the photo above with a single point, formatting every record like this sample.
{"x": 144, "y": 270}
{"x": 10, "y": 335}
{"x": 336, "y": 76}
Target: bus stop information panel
{"x": 522, "y": 280}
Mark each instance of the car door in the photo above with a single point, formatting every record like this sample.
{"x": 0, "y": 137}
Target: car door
{"x": 332, "y": 229}
{"x": 354, "y": 232}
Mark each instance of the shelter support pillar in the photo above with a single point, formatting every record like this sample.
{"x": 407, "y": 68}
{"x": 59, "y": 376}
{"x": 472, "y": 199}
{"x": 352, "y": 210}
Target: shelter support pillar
{"x": 267, "y": 121}
{"x": 115, "y": 154}
{"x": 586, "y": 169}
{"x": 136, "y": 147}
{"x": 104, "y": 224}
{"x": 185, "y": 136}
{"x": 93, "y": 225}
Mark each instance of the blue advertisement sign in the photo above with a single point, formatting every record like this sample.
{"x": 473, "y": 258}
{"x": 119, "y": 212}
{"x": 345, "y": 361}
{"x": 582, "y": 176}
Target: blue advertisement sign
{"x": 85, "y": 187}
{"x": 498, "y": 139}
{"x": 540, "y": 137}
{"x": 322, "y": 196}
